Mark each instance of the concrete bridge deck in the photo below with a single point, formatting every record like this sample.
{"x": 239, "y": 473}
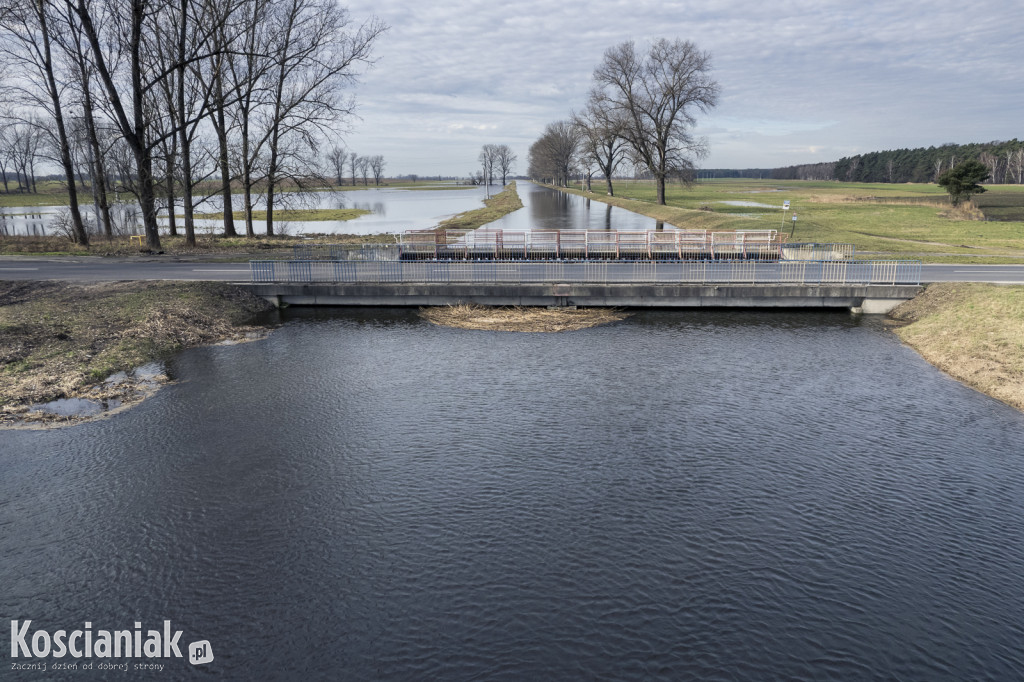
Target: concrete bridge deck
{"x": 871, "y": 298}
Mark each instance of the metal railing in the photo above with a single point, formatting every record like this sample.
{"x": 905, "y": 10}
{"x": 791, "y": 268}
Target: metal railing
{"x": 605, "y": 247}
{"x": 885, "y": 272}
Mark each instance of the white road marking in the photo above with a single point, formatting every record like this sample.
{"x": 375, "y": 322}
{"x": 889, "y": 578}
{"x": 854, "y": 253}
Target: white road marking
{"x": 19, "y": 268}
{"x": 235, "y": 270}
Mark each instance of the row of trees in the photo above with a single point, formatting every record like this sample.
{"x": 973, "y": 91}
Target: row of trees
{"x": 21, "y": 148}
{"x": 1004, "y": 161}
{"x": 341, "y": 161}
{"x": 642, "y": 110}
{"x": 159, "y": 96}
{"x": 495, "y": 159}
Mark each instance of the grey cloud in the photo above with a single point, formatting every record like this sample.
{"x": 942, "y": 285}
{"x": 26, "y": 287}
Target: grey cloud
{"x": 802, "y": 80}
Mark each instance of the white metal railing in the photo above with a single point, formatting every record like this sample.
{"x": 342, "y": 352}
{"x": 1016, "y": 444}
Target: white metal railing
{"x": 890, "y": 272}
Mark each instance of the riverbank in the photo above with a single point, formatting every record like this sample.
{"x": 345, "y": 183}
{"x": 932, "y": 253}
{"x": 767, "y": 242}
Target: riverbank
{"x": 497, "y": 206}
{"x": 61, "y": 341}
{"x": 973, "y": 332}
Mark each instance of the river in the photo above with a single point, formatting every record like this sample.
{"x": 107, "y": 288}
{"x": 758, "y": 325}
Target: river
{"x": 682, "y": 495}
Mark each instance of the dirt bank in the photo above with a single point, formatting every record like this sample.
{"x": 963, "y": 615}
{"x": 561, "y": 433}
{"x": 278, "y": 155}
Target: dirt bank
{"x": 973, "y": 332}
{"x": 520, "y": 319}
{"x": 61, "y": 341}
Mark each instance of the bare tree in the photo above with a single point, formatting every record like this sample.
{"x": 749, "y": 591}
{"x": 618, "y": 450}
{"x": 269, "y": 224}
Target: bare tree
{"x": 377, "y": 164}
{"x": 487, "y": 158}
{"x": 353, "y": 166}
{"x": 657, "y": 96}
{"x": 1015, "y": 163}
{"x": 336, "y": 157}
{"x": 5, "y": 155}
{"x": 504, "y": 161}
{"x": 993, "y": 163}
{"x": 553, "y": 155}
{"x": 601, "y": 140}
{"x": 363, "y": 165}
{"x": 316, "y": 57}
{"x": 76, "y": 51}
{"x": 30, "y": 27}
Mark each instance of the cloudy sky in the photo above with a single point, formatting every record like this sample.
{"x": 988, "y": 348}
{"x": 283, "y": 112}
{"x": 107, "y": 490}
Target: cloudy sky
{"x": 801, "y": 80}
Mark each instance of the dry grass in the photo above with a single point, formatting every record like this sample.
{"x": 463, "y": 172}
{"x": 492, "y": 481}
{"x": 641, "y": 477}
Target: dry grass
{"x": 973, "y": 332}
{"x": 58, "y": 340}
{"x": 519, "y": 318}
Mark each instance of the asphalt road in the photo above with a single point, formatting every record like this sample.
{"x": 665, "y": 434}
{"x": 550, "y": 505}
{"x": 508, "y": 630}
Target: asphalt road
{"x": 97, "y": 269}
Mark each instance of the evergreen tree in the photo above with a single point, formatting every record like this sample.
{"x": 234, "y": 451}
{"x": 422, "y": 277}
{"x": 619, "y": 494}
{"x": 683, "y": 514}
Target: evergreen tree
{"x": 962, "y": 180}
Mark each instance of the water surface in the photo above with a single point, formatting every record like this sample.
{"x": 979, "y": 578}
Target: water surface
{"x": 683, "y": 495}
{"x": 549, "y": 209}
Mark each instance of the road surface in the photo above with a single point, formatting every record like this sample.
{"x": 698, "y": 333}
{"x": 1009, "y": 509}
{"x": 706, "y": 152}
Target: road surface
{"x": 99, "y": 269}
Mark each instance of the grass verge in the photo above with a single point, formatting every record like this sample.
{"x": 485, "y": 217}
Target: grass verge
{"x": 973, "y": 332}
{"x": 501, "y": 204}
{"x": 58, "y": 340}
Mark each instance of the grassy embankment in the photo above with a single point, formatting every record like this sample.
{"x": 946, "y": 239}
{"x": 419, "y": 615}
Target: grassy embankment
{"x": 973, "y": 332}
{"x": 501, "y": 204}
{"x": 60, "y": 339}
{"x": 881, "y": 220}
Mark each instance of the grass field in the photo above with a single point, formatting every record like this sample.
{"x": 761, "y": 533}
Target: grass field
{"x": 899, "y": 220}
{"x": 974, "y": 332}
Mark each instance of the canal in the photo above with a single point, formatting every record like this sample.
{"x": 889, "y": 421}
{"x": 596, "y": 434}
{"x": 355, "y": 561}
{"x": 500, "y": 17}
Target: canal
{"x": 681, "y": 495}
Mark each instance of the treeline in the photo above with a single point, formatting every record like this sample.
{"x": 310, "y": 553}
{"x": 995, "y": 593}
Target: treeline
{"x": 159, "y": 97}
{"x": 1004, "y": 160}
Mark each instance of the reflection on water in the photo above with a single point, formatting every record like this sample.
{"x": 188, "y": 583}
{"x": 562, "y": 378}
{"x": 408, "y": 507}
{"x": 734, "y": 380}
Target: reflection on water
{"x": 393, "y": 210}
{"x": 682, "y": 495}
{"x": 548, "y": 209}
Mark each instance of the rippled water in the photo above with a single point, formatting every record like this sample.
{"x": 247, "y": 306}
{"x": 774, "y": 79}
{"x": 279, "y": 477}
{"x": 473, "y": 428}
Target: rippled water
{"x": 682, "y": 495}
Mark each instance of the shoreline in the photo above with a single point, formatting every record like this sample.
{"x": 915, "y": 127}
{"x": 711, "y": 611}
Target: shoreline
{"x": 87, "y": 342}
{"x": 972, "y": 332}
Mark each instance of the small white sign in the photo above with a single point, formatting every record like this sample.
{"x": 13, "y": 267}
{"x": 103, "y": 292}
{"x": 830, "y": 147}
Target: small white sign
{"x": 785, "y": 205}
{"x": 794, "y": 217}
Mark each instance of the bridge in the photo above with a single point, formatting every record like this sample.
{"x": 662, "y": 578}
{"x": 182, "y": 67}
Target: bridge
{"x": 629, "y": 270}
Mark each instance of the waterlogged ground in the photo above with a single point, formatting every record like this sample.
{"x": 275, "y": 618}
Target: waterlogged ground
{"x": 677, "y": 495}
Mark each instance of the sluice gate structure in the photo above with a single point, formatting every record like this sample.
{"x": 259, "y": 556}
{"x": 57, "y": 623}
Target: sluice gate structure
{"x": 636, "y": 269}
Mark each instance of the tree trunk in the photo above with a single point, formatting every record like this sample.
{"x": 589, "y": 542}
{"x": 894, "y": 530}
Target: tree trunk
{"x": 99, "y": 184}
{"x": 220, "y": 125}
{"x": 147, "y": 199}
{"x": 185, "y": 142}
{"x": 172, "y": 225}
{"x": 80, "y": 235}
